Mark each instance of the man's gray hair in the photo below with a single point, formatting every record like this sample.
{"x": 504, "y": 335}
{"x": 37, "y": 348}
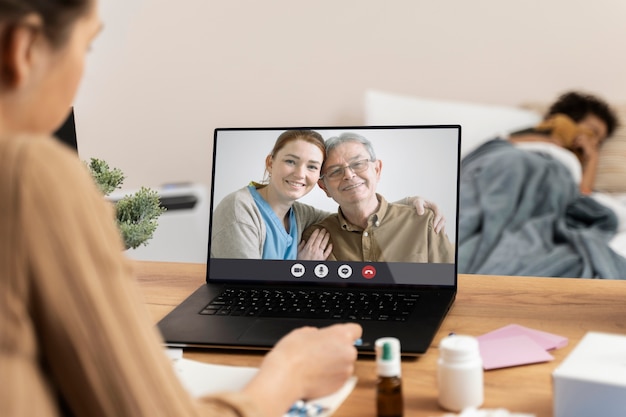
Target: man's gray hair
{"x": 333, "y": 142}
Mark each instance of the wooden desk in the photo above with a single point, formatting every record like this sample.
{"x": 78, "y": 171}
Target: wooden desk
{"x": 568, "y": 307}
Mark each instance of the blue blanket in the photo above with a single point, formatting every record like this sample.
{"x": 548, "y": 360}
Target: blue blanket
{"x": 521, "y": 214}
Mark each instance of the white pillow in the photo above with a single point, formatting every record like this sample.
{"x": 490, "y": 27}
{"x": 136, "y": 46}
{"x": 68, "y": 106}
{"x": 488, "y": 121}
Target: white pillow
{"x": 479, "y": 122}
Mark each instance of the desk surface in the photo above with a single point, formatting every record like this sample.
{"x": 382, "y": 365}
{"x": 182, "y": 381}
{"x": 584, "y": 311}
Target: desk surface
{"x": 567, "y": 307}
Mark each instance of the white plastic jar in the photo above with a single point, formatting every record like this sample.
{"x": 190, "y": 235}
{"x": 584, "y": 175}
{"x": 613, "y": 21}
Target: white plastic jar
{"x": 459, "y": 373}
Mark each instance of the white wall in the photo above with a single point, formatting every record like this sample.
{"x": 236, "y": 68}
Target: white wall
{"x": 165, "y": 73}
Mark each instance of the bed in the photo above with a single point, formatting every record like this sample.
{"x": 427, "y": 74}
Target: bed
{"x": 520, "y": 212}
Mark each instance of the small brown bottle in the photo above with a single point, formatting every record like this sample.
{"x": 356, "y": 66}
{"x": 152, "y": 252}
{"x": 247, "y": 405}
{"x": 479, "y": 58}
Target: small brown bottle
{"x": 389, "y": 401}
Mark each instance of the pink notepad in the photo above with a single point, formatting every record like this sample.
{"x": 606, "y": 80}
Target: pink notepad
{"x": 515, "y": 345}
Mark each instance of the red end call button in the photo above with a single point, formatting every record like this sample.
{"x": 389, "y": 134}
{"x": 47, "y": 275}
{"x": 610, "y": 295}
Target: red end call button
{"x": 368, "y": 272}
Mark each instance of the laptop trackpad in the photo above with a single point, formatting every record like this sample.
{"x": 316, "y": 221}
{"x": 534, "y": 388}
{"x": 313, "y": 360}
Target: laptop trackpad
{"x": 268, "y": 332}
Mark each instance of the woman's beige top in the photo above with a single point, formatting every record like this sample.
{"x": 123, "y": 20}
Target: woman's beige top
{"x": 75, "y": 338}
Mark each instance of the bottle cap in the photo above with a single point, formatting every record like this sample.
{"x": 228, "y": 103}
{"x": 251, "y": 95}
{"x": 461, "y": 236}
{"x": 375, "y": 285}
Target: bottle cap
{"x": 459, "y": 348}
{"x": 388, "y": 356}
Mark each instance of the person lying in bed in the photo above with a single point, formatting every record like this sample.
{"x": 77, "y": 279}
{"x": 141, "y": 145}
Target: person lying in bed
{"x": 525, "y": 213}
{"x": 579, "y": 123}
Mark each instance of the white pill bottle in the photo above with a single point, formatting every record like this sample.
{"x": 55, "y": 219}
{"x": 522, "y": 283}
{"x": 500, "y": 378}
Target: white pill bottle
{"x": 459, "y": 373}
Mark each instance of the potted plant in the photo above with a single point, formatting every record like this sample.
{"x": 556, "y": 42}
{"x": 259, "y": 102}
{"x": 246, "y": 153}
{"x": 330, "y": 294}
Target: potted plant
{"x": 137, "y": 213}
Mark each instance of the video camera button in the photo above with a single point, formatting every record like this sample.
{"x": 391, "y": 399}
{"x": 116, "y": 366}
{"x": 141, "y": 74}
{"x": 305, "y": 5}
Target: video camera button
{"x": 297, "y": 270}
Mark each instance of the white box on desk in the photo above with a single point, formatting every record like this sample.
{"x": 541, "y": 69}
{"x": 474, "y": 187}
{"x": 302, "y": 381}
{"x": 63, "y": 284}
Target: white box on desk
{"x": 591, "y": 381}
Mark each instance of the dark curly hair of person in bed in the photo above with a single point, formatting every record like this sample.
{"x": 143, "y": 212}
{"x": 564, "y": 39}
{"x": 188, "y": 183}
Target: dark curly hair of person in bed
{"x": 578, "y": 105}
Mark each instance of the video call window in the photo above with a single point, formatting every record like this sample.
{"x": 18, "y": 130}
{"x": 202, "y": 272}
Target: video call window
{"x": 415, "y": 161}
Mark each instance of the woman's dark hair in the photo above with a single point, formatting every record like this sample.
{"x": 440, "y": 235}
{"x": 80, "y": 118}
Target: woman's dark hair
{"x": 57, "y": 15}
{"x": 578, "y": 105}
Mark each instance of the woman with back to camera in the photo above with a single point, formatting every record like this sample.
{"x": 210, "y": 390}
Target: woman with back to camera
{"x": 266, "y": 220}
{"x": 75, "y": 338}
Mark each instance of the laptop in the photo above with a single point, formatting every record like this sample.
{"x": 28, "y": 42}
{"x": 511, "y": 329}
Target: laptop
{"x": 402, "y": 299}
{"x": 66, "y": 133}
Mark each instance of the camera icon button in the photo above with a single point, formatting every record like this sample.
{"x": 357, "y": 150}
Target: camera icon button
{"x": 297, "y": 270}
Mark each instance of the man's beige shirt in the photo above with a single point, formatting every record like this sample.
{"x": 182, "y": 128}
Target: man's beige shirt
{"x": 395, "y": 233}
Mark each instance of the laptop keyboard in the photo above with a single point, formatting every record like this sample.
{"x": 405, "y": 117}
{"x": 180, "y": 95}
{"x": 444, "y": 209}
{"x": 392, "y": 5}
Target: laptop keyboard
{"x": 328, "y": 304}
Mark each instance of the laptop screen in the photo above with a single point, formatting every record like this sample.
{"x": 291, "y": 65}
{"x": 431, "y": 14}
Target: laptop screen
{"x": 395, "y": 249}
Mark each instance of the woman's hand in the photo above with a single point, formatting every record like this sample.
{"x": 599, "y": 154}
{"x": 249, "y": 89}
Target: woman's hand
{"x": 317, "y": 248}
{"x": 307, "y": 363}
{"x": 421, "y": 204}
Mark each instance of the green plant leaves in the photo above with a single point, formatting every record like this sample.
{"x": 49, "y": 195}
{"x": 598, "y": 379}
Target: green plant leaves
{"x": 137, "y": 213}
{"x": 137, "y": 216}
{"x": 108, "y": 179}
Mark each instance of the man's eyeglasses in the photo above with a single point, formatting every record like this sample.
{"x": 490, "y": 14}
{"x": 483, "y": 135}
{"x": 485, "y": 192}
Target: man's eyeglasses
{"x": 337, "y": 172}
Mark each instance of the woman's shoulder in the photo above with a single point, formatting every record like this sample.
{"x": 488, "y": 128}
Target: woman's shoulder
{"x": 41, "y": 158}
{"x": 237, "y": 206}
{"x": 239, "y": 198}
{"x": 236, "y": 217}
{"x": 53, "y": 181}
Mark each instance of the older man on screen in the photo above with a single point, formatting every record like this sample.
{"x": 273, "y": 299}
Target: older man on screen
{"x": 366, "y": 227}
